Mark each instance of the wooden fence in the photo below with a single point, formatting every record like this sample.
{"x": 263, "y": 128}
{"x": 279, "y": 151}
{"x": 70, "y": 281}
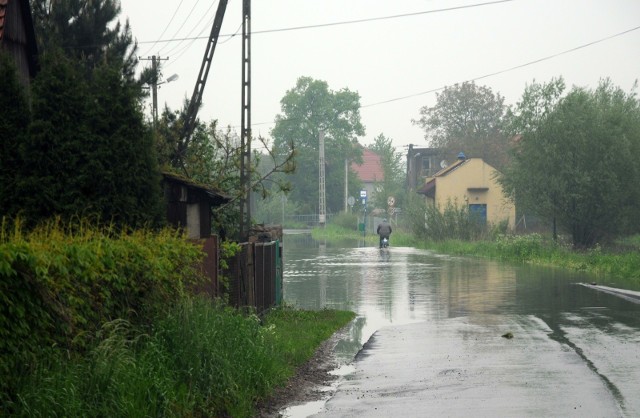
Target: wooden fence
{"x": 255, "y": 276}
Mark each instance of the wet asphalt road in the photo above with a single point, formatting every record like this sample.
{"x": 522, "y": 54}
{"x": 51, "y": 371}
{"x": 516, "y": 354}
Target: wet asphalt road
{"x": 429, "y": 339}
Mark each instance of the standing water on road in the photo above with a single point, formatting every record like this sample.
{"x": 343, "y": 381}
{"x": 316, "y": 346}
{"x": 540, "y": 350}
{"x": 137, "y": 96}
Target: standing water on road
{"x": 454, "y": 335}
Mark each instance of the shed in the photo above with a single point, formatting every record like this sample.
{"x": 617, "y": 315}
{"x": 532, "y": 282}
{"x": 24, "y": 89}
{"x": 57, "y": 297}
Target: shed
{"x": 189, "y": 204}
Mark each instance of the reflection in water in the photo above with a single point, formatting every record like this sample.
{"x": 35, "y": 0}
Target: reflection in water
{"x": 404, "y": 285}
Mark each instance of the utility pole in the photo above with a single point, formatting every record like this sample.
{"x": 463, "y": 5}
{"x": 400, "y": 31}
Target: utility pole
{"x": 155, "y": 60}
{"x": 245, "y": 136}
{"x": 346, "y": 185}
{"x": 322, "y": 206}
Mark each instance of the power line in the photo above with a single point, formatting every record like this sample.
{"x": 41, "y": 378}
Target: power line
{"x": 345, "y": 22}
{"x": 548, "y": 57}
{"x": 185, "y": 21}
{"x": 175, "y": 13}
{"x": 193, "y": 27}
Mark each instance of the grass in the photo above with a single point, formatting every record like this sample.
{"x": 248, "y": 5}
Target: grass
{"x": 531, "y": 248}
{"x": 200, "y": 359}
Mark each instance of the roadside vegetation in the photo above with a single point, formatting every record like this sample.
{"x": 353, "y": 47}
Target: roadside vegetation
{"x": 620, "y": 258}
{"x": 103, "y": 323}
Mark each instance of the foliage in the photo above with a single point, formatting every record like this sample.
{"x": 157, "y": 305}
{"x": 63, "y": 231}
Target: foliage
{"x": 575, "y": 162}
{"x": 87, "y": 33}
{"x": 307, "y": 109}
{"x": 202, "y": 359}
{"x": 271, "y": 209}
{"x": 213, "y": 157}
{"x": 467, "y": 118}
{"x": 87, "y": 151}
{"x": 345, "y": 220}
{"x": 59, "y": 284}
{"x": 453, "y": 221}
{"x": 394, "y": 175}
{"x": 14, "y": 120}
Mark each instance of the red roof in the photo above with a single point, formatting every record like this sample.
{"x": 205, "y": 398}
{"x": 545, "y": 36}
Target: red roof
{"x": 3, "y": 13}
{"x": 370, "y": 171}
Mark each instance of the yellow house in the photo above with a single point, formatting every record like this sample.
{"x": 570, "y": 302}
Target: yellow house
{"x": 472, "y": 182}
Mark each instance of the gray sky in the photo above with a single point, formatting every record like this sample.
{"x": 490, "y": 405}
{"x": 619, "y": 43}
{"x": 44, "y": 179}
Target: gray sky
{"x": 396, "y": 59}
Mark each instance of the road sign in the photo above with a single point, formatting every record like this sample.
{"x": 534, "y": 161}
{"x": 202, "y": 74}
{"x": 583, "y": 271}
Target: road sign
{"x": 363, "y": 194}
{"x": 351, "y": 201}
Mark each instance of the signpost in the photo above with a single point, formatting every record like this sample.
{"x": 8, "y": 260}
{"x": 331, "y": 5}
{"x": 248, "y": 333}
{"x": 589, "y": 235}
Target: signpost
{"x": 363, "y": 196}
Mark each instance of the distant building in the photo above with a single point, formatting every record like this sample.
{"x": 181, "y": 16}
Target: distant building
{"x": 422, "y": 163}
{"x": 18, "y": 38}
{"x": 470, "y": 182}
{"x": 370, "y": 172}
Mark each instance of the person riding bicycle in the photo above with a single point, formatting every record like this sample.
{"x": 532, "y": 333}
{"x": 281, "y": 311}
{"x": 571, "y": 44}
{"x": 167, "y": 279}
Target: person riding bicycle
{"x": 384, "y": 230}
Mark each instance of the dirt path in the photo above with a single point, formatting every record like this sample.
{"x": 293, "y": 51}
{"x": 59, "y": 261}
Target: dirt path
{"x": 305, "y": 385}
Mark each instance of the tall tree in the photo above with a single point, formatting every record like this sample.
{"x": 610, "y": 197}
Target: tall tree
{"x": 86, "y": 31}
{"x": 467, "y": 118}
{"x": 14, "y": 120}
{"x": 88, "y": 152}
{"x": 394, "y": 175}
{"x": 307, "y": 109}
{"x": 575, "y": 161}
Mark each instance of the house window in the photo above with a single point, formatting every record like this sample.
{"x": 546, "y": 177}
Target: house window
{"x": 426, "y": 167}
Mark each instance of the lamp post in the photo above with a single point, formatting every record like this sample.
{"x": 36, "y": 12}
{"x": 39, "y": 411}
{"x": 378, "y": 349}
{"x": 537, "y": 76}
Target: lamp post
{"x": 154, "y": 91}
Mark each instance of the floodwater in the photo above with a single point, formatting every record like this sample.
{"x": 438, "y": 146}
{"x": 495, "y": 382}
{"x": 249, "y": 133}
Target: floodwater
{"x": 430, "y": 337}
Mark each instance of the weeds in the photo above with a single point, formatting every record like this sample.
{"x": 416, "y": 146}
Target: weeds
{"x": 202, "y": 359}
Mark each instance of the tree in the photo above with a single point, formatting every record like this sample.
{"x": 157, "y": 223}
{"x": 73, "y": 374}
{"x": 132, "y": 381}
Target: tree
{"x": 14, "y": 120}
{"x": 88, "y": 152}
{"x": 575, "y": 161}
{"x": 307, "y": 109}
{"x": 394, "y": 175}
{"x": 212, "y": 157}
{"x": 467, "y": 118}
{"x": 86, "y": 32}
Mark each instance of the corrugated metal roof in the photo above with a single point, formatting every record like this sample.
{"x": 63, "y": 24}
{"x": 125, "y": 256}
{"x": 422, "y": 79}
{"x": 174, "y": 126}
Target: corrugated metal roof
{"x": 370, "y": 171}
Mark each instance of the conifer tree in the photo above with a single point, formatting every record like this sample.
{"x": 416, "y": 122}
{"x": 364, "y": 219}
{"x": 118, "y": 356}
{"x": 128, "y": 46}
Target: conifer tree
{"x": 14, "y": 119}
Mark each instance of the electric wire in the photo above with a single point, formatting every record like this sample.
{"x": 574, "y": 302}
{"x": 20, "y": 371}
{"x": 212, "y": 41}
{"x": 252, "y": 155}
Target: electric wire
{"x": 206, "y": 26}
{"x": 505, "y": 70}
{"x": 516, "y": 67}
{"x": 345, "y": 22}
{"x": 184, "y": 22}
{"x": 175, "y": 13}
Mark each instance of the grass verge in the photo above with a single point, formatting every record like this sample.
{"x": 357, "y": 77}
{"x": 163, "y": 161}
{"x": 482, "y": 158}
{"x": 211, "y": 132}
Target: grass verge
{"x": 199, "y": 359}
{"x": 531, "y": 248}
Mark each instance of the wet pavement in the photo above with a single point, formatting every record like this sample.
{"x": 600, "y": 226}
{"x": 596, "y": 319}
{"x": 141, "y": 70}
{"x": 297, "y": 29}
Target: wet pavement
{"x": 430, "y": 337}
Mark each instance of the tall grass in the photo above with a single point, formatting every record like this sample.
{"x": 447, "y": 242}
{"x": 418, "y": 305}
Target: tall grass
{"x": 200, "y": 359}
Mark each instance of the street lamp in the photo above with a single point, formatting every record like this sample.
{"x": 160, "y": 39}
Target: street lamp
{"x": 154, "y": 90}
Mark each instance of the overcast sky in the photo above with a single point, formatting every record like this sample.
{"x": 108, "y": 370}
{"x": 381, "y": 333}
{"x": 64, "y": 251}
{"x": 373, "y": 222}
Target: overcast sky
{"x": 396, "y": 63}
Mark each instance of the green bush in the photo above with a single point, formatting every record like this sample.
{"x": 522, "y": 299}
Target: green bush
{"x": 59, "y": 284}
{"x": 346, "y": 220}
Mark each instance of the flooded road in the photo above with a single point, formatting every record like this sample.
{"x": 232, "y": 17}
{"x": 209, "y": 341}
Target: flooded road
{"x": 435, "y": 334}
